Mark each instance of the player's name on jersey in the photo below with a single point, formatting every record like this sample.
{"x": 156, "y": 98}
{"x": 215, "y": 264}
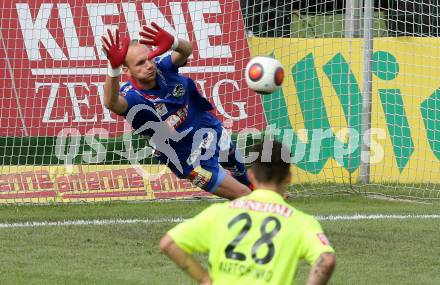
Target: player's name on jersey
{"x": 242, "y": 270}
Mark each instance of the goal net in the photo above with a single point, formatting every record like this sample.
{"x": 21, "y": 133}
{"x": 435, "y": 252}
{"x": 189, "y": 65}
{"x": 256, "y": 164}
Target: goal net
{"x": 58, "y": 143}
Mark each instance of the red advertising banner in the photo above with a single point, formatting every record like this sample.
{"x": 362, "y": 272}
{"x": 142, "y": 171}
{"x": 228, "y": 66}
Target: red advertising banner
{"x": 52, "y": 68}
{"x": 91, "y": 183}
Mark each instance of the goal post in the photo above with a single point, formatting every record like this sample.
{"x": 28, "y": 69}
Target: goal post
{"x": 58, "y": 143}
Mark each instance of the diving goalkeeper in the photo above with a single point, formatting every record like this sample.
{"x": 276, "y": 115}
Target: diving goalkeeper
{"x": 162, "y": 104}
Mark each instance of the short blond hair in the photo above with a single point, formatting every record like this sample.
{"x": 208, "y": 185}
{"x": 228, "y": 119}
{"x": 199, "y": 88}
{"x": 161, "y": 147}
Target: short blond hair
{"x": 132, "y": 43}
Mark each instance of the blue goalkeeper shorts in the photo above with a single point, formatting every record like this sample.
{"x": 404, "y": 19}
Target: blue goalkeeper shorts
{"x": 200, "y": 158}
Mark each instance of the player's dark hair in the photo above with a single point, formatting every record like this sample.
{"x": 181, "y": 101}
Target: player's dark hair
{"x": 269, "y": 166}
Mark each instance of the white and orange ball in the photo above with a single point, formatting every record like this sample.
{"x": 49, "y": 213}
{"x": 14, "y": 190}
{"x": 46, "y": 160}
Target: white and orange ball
{"x": 264, "y": 74}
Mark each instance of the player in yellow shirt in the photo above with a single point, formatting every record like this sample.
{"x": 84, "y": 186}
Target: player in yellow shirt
{"x": 257, "y": 239}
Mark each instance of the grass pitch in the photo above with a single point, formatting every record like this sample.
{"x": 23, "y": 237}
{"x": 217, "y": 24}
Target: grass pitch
{"x": 383, "y": 251}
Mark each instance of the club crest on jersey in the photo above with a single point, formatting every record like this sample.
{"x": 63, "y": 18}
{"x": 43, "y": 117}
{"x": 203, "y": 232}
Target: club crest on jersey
{"x": 323, "y": 239}
{"x": 178, "y": 91}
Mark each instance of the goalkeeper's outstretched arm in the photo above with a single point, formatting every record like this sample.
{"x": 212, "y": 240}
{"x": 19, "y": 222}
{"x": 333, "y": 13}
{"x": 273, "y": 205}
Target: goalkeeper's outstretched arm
{"x": 181, "y": 52}
{"x": 112, "y": 100}
{"x": 116, "y": 49}
{"x": 164, "y": 41}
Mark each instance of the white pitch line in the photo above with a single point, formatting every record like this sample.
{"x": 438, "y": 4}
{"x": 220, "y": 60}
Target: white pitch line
{"x": 90, "y": 222}
{"x": 376, "y": 217}
{"x": 180, "y": 219}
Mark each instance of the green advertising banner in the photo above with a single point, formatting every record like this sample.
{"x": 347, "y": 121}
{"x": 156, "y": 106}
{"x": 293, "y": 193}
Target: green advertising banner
{"x": 319, "y": 107}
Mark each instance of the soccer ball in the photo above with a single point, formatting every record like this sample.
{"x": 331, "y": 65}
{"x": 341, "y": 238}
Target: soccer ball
{"x": 264, "y": 74}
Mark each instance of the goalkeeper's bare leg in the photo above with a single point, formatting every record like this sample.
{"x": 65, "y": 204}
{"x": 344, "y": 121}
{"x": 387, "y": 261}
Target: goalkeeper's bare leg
{"x": 231, "y": 189}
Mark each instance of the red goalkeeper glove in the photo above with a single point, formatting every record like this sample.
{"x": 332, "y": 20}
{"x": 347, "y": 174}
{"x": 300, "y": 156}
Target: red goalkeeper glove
{"x": 161, "y": 39}
{"x": 116, "y": 50}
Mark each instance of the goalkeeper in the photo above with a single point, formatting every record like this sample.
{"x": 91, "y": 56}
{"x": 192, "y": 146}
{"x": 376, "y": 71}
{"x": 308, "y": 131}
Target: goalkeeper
{"x": 162, "y": 104}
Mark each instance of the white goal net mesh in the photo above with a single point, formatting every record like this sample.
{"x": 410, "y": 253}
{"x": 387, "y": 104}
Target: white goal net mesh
{"x": 58, "y": 143}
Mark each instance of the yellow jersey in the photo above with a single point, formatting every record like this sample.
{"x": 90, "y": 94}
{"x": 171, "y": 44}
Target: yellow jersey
{"x": 258, "y": 239}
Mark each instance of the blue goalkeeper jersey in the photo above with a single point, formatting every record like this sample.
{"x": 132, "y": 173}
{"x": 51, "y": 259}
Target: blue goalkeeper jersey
{"x": 175, "y": 105}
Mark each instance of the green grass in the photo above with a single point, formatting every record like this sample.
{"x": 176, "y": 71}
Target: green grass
{"x": 368, "y": 252}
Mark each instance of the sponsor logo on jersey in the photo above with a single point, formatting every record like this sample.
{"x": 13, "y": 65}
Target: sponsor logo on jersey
{"x": 323, "y": 239}
{"x": 126, "y": 89}
{"x": 262, "y": 207}
{"x": 161, "y": 109}
{"x": 179, "y": 90}
{"x": 177, "y": 118}
{"x": 200, "y": 177}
